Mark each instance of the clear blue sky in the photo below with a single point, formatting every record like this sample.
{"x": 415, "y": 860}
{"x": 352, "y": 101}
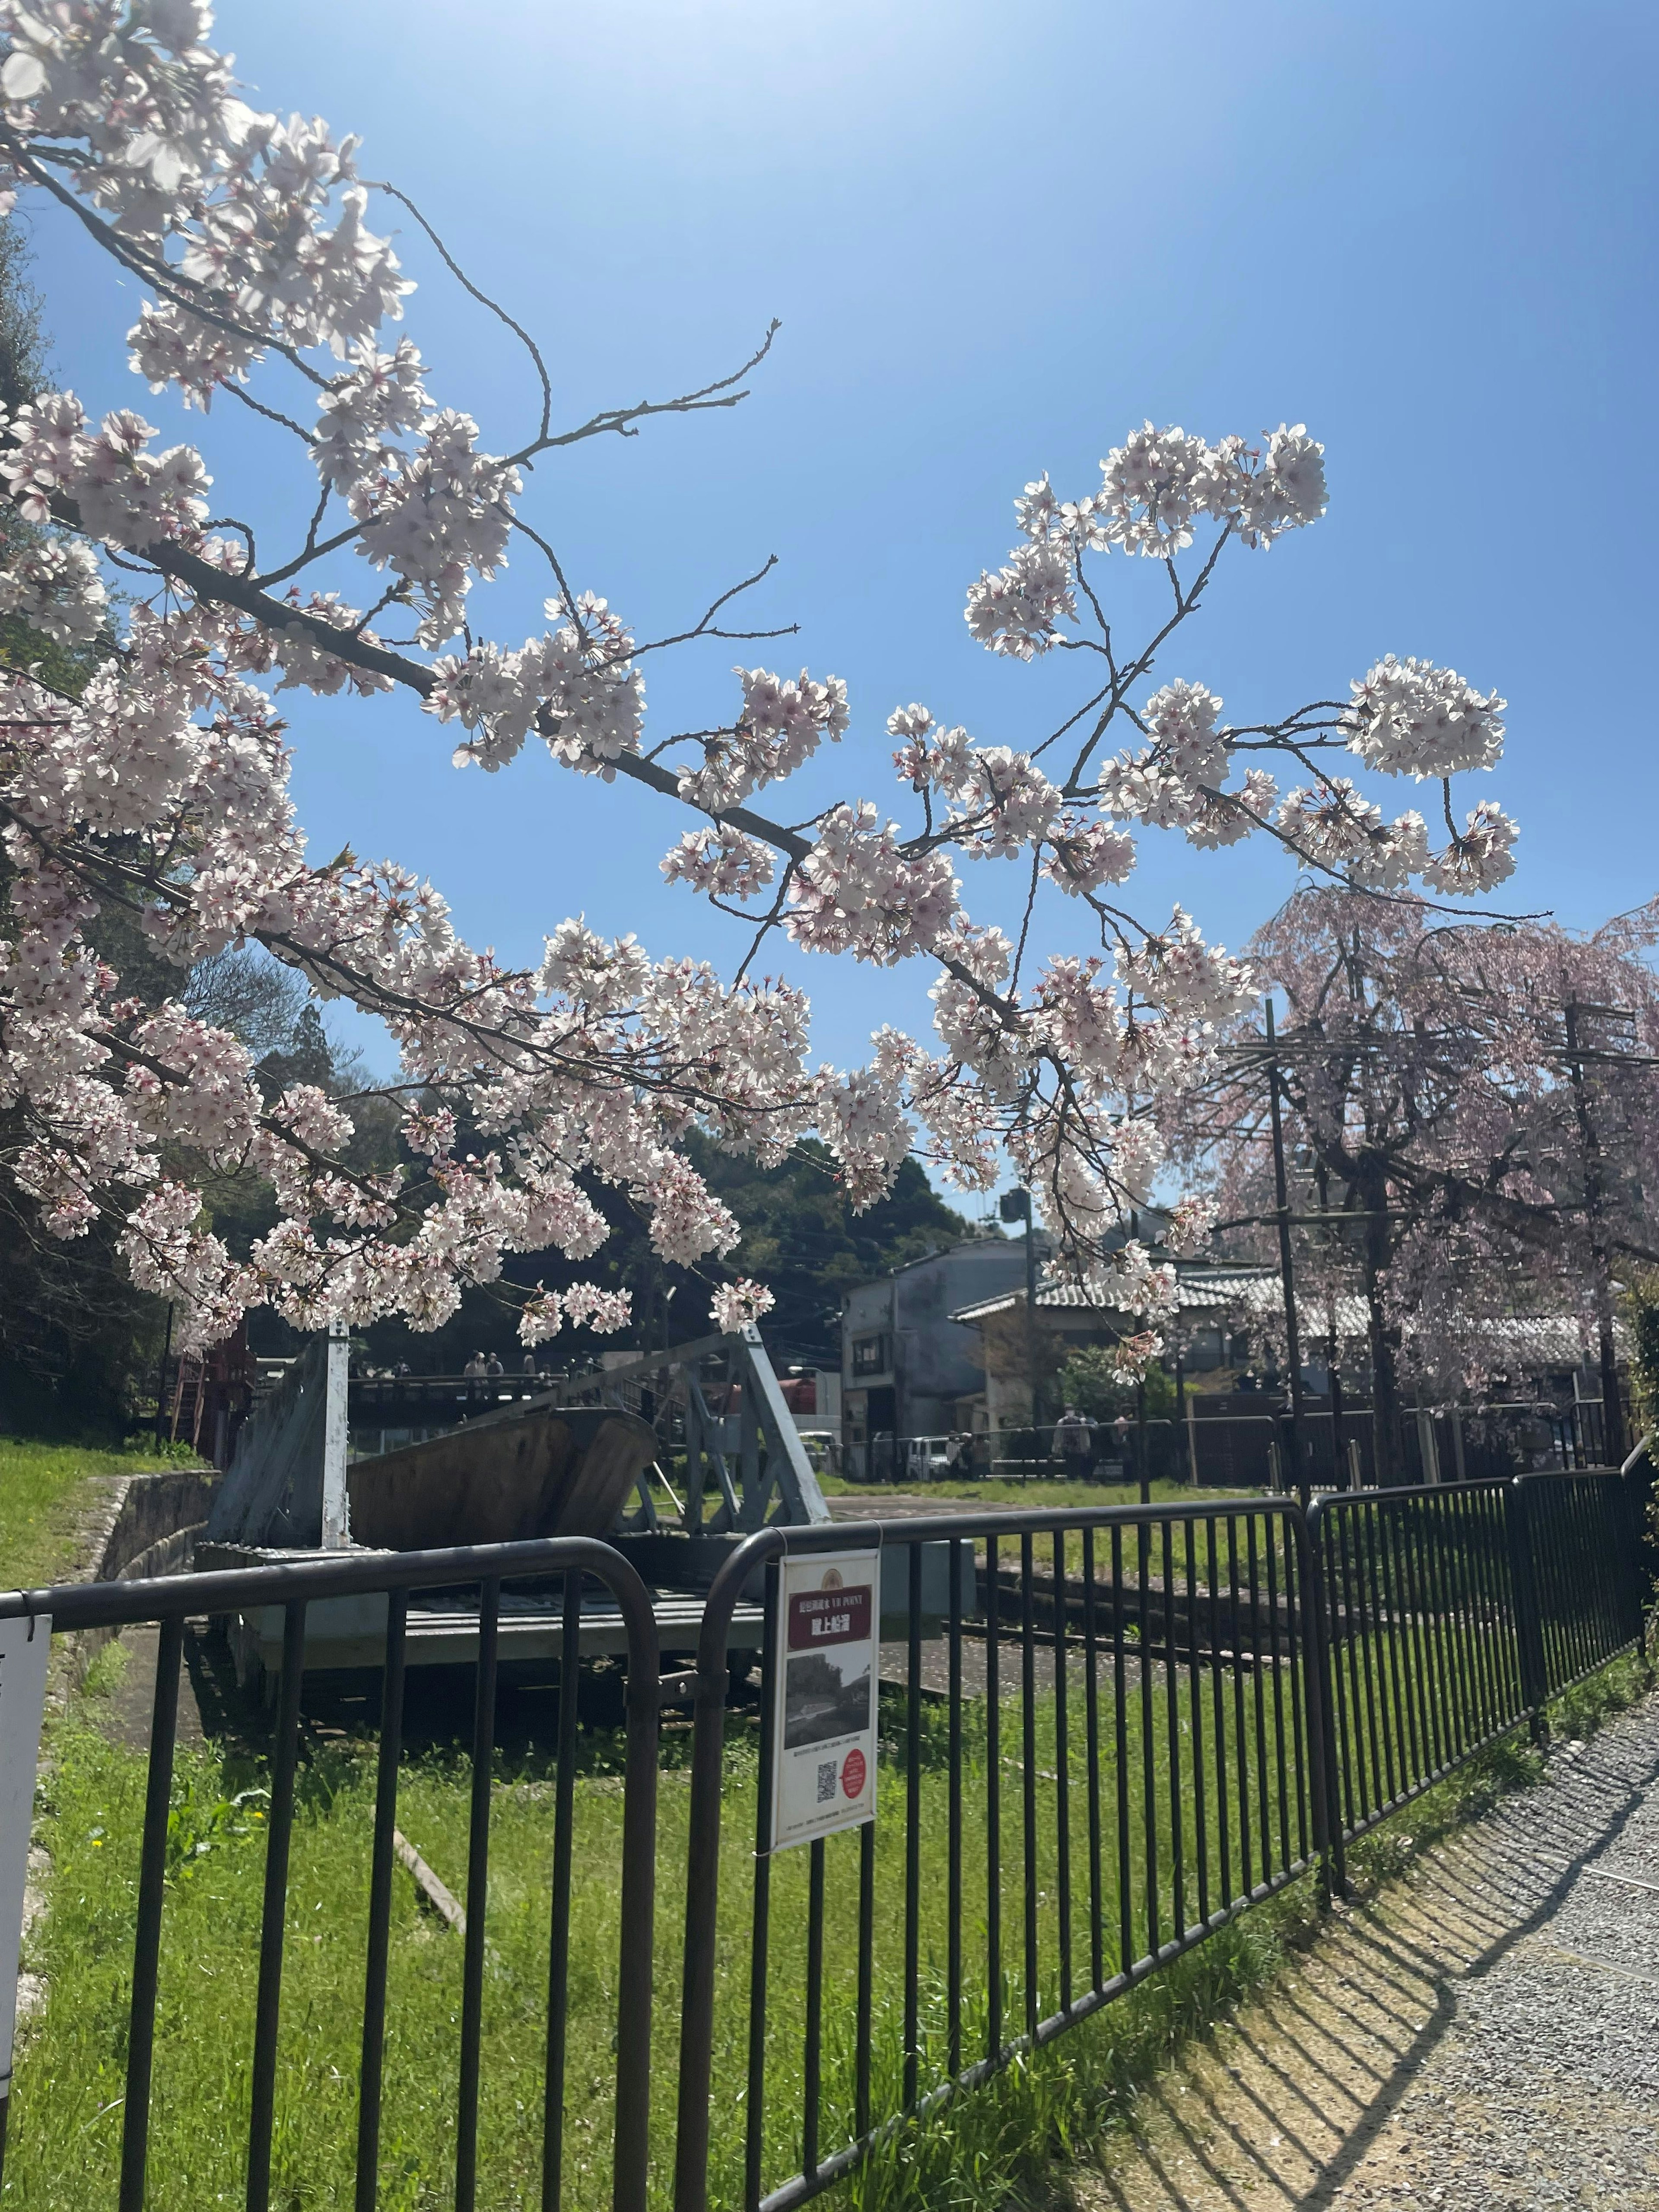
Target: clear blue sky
{"x": 998, "y": 237}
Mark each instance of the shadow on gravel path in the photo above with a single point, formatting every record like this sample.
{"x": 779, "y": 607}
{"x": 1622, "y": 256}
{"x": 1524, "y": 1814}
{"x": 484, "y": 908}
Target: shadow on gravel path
{"x": 1482, "y": 2036}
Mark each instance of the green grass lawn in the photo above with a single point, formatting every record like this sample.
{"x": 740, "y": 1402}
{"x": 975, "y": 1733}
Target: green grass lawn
{"x": 39, "y": 1505}
{"x": 1000, "y": 1492}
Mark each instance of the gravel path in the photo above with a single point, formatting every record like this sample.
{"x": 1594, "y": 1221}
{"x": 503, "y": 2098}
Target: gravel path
{"x": 1483, "y": 2036}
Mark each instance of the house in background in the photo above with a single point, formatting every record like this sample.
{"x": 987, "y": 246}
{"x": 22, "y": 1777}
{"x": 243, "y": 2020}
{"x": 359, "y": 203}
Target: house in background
{"x": 908, "y": 1367}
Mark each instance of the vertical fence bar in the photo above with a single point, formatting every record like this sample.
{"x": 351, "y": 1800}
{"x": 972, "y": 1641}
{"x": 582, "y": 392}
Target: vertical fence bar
{"x": 953, "y": 1873}
{"x": 1062, "y": 1779}
{"x": 1091, "y": 1732}
{"x": 1241, "y": 1731}
{"x": 147, "y": 1938}
{"x": 913, "y": 1831}
{"x": 1218, "y": 1703}
{"x": 380, "y": 1904}
{"x": 1172, "y": 1727}
{"x": 1296, "y": 1660}
{"x": 992, "y": 1800}
{"x": 477, "y": 1897}
{"x": 1196, "y": 1711}
{"x": 1148, "y": 1750}
{"x": 1258, "y": 1705}
{"x": 865, "y": 2001}
{"x": 753, "y": 2145}
{"x": 812, "y": 2053}
{"x": 1526, "y": 1578}
{"x": 559, "y": 1948}
{"x": 1273, "y": 1530}
{"x": 1402, "y": 1742}
{"x": 1344, "y": 1665}
{"x": 1029, "y": 1777}
{"x": 1126, "y": 1949}
{"x": 1361, "y": 1638}
{"x": 1310, "y": 1533}
{"x": 267, "y": 2008}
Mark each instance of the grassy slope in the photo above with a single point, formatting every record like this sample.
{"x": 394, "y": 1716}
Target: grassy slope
{"x": 39, "y": 1504}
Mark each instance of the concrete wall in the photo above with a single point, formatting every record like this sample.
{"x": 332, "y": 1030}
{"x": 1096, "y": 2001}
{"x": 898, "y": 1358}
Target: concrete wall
{"x": 931, "y": 1360}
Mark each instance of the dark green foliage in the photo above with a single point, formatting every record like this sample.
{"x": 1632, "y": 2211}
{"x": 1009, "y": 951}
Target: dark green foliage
{"x": 1086, "y": 1382}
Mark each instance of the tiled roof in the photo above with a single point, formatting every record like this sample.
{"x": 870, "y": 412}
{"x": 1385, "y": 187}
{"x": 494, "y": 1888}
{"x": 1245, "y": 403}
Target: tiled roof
{"x": 1551, "y": 1339}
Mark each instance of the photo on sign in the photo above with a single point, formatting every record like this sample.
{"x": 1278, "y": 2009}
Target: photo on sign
{"x": 824, "y": 1697}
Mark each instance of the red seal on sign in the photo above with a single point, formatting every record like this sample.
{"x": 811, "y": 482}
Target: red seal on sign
{"x": 852, "y": 1774}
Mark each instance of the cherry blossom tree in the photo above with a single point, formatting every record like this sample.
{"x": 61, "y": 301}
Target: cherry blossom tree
{"x": 159, "y": 786}
{"x": 1471, "y": 1124}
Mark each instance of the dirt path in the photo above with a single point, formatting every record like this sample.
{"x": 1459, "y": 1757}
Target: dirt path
{"x": 1484, "y": 2036}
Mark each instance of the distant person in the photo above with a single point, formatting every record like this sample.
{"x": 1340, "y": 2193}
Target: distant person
{"x": 401, "y": 1369}
{"x": 493, "y": 1368}
{"x": 530, "y": 1363}
{"x": 1073, "y": 1442}
{"x": 475, "y": 1370}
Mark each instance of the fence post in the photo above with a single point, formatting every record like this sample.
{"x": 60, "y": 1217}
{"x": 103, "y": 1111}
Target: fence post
{"x": 1529, "y": 1626}
{"x": 1321, "y": 1728}
{"x": 702, "y": 1869}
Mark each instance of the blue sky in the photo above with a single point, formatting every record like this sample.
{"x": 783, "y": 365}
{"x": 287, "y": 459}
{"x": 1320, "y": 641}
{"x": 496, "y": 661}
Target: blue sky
{"x": 998, "y": 238}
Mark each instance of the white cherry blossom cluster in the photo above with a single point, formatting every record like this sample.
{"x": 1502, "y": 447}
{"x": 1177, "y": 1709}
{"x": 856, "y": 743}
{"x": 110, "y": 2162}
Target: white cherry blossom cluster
{"x": 1410, "y": 718}
{"x": 1479, "y": 857}
{"x": 124, "y": 495}
{"x": 740, "y": 1304}
{"x": 576, "y": 684}
{"x": 54, "y": 586}
{"x": 583, "y": 1305}
{"x": 1187, "y": 979}
{"x": 1087, "y": 856}
{"x": 1338, "y": 829}
{"x": 723, "y": 862}
{"x": 857, "y": 892}
{"x": 781, "y": 726}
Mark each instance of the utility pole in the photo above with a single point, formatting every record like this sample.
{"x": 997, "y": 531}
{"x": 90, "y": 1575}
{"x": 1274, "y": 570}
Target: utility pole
{"x": 1286, "y": 1267}
{"x": 1612, "y": 1413}
{"x": 1016, "y": 1206}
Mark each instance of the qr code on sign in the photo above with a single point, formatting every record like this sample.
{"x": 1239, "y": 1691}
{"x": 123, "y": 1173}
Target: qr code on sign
{"x": 826, "y": 1781}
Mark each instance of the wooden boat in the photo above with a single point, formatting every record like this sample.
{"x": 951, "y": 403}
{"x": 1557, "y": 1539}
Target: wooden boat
{"x": 536, "y": 1470}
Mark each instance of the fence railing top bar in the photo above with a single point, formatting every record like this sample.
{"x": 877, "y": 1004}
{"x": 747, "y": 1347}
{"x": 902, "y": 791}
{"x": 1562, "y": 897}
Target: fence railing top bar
{"x": 232, "y": 1589}
{"x": 1569, "y": 1475}
{"x": 1056, "y": 1520}
{"x": 1352, "y": 1500}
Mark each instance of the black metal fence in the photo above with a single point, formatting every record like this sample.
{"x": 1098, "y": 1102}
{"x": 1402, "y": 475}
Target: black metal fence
{"x": 1105, "y": 1734}
{"x": 295, "y": 1589}
{"x": 1217, "y": 1445}
{"x": 1101, "y": 1741}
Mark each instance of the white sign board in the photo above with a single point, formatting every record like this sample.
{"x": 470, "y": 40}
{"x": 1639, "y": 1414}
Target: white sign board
{"x": 824, "y": 1670}
{"x": 24, "y": 1649}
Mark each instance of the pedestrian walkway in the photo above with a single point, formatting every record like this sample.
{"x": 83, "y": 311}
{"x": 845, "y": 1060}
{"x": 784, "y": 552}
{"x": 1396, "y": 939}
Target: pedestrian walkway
{"x": 1481, "y": 2037}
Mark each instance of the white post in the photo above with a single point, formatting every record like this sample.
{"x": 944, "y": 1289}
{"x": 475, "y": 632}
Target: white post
{"x": 337, "y": 1529}
{"x": 1192, "y": 1440}
{"x": 1427, "y": 1445}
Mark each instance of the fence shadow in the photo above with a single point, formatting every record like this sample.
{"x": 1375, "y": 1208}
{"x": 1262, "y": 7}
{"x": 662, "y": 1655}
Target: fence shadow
{"x": 1284, "y": 2110}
